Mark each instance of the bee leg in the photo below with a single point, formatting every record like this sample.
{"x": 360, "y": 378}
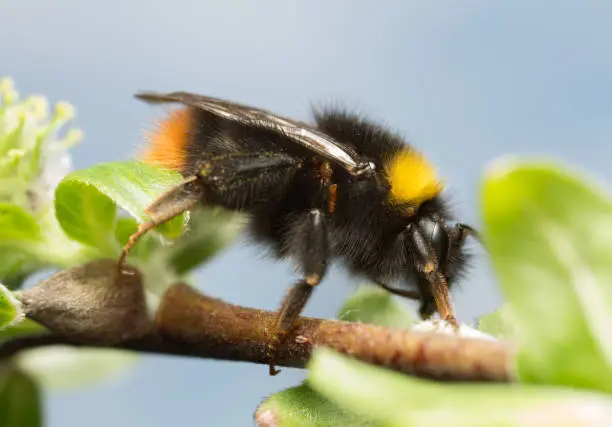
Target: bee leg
{"x": 416, "y": 295}
{"x": 313, "y": 253}
{"x": 170, "y": 204}
{"x": 441, "y": 294}
{"x": 434, "y": 287}
{"x": 233, "y": 170}
{"x": 463, "y": 231}
{"x": 432, "y": 283}
{"x": 428, "y": 307}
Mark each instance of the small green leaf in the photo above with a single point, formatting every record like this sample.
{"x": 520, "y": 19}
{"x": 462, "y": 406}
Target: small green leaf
{"x": 399, "y": 400}
{"x": 63, "y": 367}
{"x": 17, "y": 225}
{"x": 26, "y": 327}
{"x": 131, "y": 185}
{"x": 16, "y": 264}
{"x": 549, "y": 234}
{"x": 210, "y": 230}
{"x": 124, "y": 228}
{"x": 497, "y": 324}
{"x": 11, "y": 311}
{"x": 303, "y": 407}
{"x": 370, "y": 304}
{"x": 85, "y": 214}
{"x": 20, "y": 400}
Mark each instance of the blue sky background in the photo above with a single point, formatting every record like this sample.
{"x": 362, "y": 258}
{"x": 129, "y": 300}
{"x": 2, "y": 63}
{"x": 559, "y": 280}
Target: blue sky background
{"x": 465, "y": 81}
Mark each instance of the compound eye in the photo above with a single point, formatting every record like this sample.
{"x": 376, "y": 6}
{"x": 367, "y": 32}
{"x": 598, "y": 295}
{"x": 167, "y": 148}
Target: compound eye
{"x": 436, "y": 234}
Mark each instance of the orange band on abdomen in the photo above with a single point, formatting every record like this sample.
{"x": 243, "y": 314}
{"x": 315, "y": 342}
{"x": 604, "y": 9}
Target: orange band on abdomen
{"x": 167, "y": 145}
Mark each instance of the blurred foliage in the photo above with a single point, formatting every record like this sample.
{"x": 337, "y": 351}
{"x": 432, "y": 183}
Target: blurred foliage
{"x": 302, "y": 406}
{"x": 20, "y": 400}
{"x": 11, "y": 313}
{"x": 497, "y": 324}
{"x": 374, "y": 305}
{"x": 550, "y": 238}
{"x": 64, "y": 367}
{"x": 546, "y": 230}
{"x": 387, "y": 398}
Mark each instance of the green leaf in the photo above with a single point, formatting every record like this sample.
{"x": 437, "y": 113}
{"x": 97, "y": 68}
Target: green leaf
{"x": 17, "y": 225}
{"x": 26, "y": 327}
{"x": 210, "y": 230}
{"x": 20, "y": 400}
{"x": 395, "y": 399}
{"x": 373, "y": 304}
{"x": 549, "y": 234}
{"x": 64, "y": 367}
{"x": 497, "y": 324}
{"x": 85, "y": 214}
{"x": 16, "y": 264}
{"x": 11, "y": 311}
{"x": 85, "y": 199}
{"x": 303, "y": 407}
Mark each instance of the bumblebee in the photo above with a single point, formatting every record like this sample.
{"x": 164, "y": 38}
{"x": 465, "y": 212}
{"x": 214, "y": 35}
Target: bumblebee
{"x": 342, "y": 189}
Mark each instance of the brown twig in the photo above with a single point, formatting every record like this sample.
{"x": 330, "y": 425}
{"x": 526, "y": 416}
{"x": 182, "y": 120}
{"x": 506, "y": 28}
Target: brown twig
{"x": 188, "y": 323}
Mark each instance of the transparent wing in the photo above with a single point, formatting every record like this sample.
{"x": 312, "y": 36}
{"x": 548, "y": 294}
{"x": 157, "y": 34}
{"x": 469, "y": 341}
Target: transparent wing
{"x": 300, "y": 133}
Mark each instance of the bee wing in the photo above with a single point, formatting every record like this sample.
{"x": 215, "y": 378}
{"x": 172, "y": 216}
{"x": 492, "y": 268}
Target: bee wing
{"x": 300, "y": 133}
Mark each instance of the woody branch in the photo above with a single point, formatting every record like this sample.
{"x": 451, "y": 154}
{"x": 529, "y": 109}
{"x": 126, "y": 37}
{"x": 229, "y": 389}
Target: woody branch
{"x": 90, "y": 305}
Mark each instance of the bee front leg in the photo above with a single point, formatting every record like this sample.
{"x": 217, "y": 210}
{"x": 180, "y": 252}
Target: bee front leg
{"x": 312, "y": 248}
{"x": 416, "y": 295}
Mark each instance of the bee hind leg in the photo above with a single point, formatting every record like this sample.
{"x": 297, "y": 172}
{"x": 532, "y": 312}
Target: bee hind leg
{"x": 170, "y": 204}
{"x": 313, "y": 251}
{"x": 230, "y": 174}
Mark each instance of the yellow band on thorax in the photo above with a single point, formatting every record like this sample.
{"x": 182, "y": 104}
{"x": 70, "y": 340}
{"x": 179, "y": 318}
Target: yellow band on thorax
{"x": 413, "y": 179}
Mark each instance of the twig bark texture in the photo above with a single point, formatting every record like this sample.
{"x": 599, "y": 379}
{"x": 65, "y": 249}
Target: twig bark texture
{"x": 90, "y": 305}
